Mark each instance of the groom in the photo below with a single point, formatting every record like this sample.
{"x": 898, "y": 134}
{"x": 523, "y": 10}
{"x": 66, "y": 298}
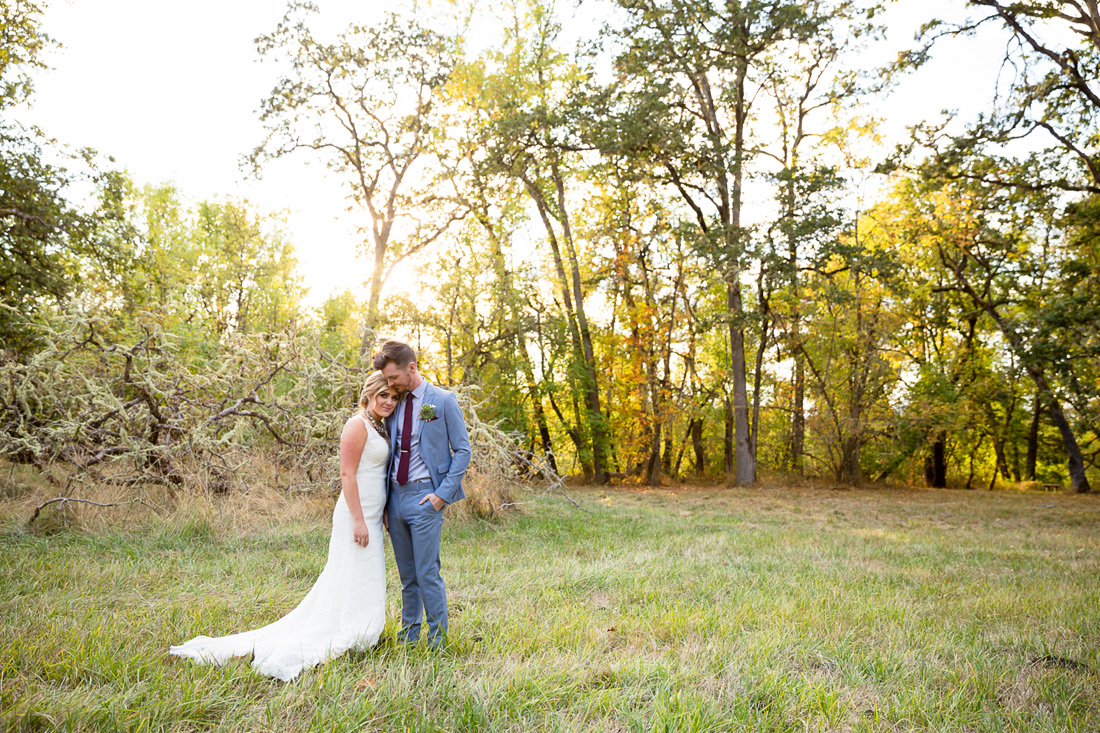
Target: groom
{"x": 429, "y": 455}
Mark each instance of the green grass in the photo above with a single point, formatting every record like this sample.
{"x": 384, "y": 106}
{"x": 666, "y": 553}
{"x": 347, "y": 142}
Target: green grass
{"x": 703, "y": 610}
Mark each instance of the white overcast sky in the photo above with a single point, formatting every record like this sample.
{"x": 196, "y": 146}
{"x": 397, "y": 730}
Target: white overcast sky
{"x": 170, "y": 90}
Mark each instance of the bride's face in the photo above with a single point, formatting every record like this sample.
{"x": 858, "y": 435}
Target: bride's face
{"x": 384, "y": 402}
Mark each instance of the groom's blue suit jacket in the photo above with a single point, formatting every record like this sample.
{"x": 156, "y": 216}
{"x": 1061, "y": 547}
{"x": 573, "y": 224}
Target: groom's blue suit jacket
{"x": 444, "y": 444}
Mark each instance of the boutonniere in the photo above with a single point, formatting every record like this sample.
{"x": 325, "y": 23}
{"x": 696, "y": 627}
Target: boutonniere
{"x": 427, "y": 412}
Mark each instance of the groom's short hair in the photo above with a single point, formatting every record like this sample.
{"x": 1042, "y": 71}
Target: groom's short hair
{"x": 397, "y": 352}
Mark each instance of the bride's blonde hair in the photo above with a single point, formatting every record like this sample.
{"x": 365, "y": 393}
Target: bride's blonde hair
{"x": 375, "y": 383}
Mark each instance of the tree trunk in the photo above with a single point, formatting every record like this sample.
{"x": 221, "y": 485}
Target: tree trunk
{"x": 653, "y": 463}
{"x": 848, "y": 467}
{"x": 727, "y": 438}
{"x": 1001, "y": 465}
{"x": 746, "y": 455}
{"x": 745, "y": 466}
{"x": 506, "y": 290}
{"x": 1008, "y": 442}
{"x": 578, "y": 441}
{"x": 370, "y": 328}
{"x": 939, "y": 461}
{"x": 758, "y": 368}
{"x": 578, "y": 434}
{"x": 697, "y": 444}
{"x": 592, "y": 384}
{"x": 935, "y": 463}
{"x": 584, "y": 446}
{"x": 1033, "y": 439}
{"x": 798, "y": 414}
{"x": 729, "y": 207}
{"x": 536, "y": 403}
{"x": 680, "y": 453}
{"x": 973, "y": 452}
{"x": 1014, "y": 449}
{"x": 572, "y": 297}
{"x": 654, "y": 390}
{"x": 1078, "y": 480}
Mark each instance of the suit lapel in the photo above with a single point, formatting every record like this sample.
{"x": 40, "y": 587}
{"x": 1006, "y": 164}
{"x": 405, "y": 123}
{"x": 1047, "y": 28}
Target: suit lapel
{"x": 429, "y": 399}
{"x": 429, "y": 395}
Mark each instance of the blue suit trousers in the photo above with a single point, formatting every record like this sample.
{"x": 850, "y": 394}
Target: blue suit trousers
{"x": 416, "y": 531}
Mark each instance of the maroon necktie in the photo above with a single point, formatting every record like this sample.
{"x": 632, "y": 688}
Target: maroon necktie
{"x": 406, "y": 442}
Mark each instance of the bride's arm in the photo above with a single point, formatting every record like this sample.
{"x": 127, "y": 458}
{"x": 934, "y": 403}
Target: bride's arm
{"x": 352, "y": 440}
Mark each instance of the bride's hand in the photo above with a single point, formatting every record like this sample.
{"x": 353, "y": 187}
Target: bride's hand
{"x": 359, "y": 532}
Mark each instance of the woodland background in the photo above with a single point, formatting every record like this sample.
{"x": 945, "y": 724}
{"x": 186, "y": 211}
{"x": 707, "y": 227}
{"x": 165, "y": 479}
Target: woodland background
{"x": 665, "y": 249}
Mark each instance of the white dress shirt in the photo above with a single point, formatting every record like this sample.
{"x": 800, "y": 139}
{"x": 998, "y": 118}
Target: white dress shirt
{"x": 413, "y": 400}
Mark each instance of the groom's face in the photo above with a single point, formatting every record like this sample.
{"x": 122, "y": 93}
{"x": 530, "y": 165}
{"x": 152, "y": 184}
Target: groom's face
{"x": 400, "y": 378}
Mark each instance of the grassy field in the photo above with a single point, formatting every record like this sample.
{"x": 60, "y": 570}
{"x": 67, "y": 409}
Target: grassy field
{"x": 701, "y": 609}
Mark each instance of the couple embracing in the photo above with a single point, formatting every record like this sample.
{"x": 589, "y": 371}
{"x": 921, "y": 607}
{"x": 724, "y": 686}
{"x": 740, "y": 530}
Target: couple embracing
{"x": 402, "y": 459}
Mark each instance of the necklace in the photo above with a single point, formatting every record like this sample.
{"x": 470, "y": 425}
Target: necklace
{"x": 376, "y": 425}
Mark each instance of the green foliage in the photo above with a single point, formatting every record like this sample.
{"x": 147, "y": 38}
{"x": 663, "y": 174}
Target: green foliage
{"x": 853, "y": 373}
{"x": 22, "y": 41}
{"x": 219, "y": 267}
{"x": 41, "y": 235}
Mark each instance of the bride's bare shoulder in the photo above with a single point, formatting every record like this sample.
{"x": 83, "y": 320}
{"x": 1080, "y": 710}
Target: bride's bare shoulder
{"x": 355, "y": 427}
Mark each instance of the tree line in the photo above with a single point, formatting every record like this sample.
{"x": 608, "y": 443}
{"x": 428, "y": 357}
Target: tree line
{"x": 665, "y": 247}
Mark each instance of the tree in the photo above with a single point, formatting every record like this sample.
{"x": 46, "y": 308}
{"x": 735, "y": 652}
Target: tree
{"x": 806, "y": 79}
{"x": 1053, "y": 90}
{"x": 684, "y": 111}
{"x": 848, "y": 351}
{"x": 47, "y": 245}
{"x": 1011, "y": 191}
{"x": 41, "y": 235}
{"x": 997, "y": 244}
{"x": 496, "y": 204}
{"x": 243, "y": 277}
{"x": 22, "y": 40}
{"x": 365, "y": 103}
{"x": 649, "y": 273}
{"x": 532, "y": 138}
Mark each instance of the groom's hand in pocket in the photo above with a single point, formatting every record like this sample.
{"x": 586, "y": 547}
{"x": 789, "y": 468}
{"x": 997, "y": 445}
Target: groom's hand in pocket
{"x": 437, "y": 503}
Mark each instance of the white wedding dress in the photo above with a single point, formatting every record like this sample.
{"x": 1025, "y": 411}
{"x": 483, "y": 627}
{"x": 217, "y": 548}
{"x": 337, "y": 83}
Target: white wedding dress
{"x": 345, "y": 608}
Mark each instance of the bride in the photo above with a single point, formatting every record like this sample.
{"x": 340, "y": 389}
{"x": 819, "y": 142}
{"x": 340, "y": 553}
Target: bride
{"x": 347, "y": 605}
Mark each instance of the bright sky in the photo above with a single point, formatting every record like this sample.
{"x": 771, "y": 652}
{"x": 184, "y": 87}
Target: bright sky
{"x": 170, "y": 90}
